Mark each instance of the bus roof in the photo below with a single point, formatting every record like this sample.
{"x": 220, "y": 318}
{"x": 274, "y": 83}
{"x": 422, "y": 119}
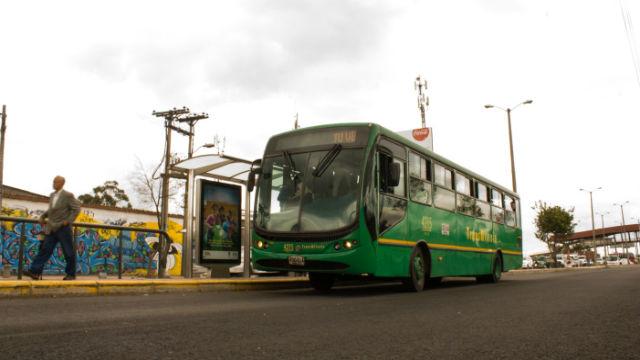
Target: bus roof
{"x": 395, "y": 136}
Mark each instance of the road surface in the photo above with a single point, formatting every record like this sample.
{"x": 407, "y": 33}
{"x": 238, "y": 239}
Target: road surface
{"x": 592, "y": 314}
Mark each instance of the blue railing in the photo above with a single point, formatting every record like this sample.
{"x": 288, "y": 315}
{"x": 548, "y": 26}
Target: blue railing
{"x": 98, "y": 248}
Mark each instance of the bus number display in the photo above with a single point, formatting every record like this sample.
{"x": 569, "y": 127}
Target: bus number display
{"x": 344, "y": 137}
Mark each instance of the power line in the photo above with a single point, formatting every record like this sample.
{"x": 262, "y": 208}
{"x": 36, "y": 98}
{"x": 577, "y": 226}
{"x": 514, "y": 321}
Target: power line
{"x": 629, "y": 32}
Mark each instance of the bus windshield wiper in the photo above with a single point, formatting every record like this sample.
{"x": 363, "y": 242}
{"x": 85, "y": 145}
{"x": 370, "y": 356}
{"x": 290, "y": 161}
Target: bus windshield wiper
{"x": 289, "y": 160}
{"x": 327, "y": 160}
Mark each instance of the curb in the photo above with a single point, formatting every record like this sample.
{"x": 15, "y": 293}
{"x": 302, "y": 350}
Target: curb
{"x": 583, "y": 268}
{"x": 29, "y": 288}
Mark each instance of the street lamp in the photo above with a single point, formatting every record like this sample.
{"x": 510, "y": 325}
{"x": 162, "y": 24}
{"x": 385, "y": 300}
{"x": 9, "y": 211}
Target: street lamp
{"x": 508, "y": 111}
{"x": 207, "y": 145}
{"x": 638, "y": 220}
{"x": 606, "y": 253}
{"x": 593, "y": 223}
{"x": 623, "y": 225}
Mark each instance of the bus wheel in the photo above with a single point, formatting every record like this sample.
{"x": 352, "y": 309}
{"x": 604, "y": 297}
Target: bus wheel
{"x": 496, "y": 272}
{"x": 417, "y": 271}
{"x": 321, "y": 282}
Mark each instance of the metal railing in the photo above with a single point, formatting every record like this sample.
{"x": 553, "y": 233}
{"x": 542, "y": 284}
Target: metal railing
{"x": 75, "y": 226}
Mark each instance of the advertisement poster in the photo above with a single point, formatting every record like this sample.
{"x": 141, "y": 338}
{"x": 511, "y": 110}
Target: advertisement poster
{"x": 219, "y": 222}
{"x": 422, "y": 136}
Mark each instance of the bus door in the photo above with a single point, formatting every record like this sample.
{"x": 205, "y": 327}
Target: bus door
{"x": 392, "y": 203}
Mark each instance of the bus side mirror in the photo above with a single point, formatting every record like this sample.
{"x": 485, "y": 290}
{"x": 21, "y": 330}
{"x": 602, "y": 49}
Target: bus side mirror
{"x": 255, "y": 169}
{"x": 394, "y": 175}
{"x": 251, "y": 183}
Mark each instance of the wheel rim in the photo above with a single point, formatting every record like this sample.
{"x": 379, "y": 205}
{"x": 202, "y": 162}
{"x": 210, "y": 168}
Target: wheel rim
{"x": 418, "y": 268}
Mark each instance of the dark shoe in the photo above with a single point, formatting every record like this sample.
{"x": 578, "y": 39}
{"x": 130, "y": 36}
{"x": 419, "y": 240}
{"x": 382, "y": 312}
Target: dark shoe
{"x": 69, "y": 277}
{"x": 34, "y": 276}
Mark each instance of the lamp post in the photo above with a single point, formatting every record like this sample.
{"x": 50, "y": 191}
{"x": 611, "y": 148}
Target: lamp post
{"x": 638, "y": 220}
{"x": 593, "y": 223}
{"x": 508, "y": 111}
{"x": 606, "y": 253}
{"x": 623, "y": 225}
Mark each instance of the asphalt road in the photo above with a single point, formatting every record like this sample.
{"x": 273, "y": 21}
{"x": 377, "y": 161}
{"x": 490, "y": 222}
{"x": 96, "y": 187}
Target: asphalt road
{"x": 592, "y": 314}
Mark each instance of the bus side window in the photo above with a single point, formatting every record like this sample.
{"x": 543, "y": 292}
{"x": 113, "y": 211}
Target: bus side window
{"x": 465, "y": 203}
{"x": 497, "y": 212}
{"x": 393, "y": 204}
{"x": 419, "y": 178}
{"x": 510, "y": 211}
{"x": 443, "y": 195}
{"x": 387, "y": 163}
{"x": 483, "y": 209}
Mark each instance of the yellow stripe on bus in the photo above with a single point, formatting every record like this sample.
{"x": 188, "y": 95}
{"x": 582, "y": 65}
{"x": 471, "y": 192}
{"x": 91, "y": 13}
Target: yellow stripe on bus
{"x": 396, "y": 242}
{"x": 445, "y": 247}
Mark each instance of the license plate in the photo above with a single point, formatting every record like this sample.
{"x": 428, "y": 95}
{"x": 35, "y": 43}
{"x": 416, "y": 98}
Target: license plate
{"x": 296, "y": 260}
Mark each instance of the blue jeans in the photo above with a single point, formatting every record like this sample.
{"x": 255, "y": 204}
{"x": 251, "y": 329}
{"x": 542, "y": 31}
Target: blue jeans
{"x": 64, "y": 236}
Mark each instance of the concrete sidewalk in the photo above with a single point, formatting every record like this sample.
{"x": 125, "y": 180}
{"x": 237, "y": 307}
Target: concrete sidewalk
{"x": 92, "y": 286}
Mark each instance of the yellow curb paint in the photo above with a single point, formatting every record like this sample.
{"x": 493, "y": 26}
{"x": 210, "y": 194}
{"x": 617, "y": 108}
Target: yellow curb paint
{"x": 14, "y": 283}
{"x": 63, "y": 284}
{"x": 13, "y": 288}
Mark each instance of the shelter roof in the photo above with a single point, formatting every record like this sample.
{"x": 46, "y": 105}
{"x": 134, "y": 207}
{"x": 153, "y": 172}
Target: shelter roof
{"x": 223, "y": 167}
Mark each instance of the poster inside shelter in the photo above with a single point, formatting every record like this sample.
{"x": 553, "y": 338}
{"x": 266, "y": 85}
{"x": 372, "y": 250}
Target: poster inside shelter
{"x": 219, "y": 222}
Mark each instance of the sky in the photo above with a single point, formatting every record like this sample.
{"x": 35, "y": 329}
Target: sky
{"x": 81, "y": 79}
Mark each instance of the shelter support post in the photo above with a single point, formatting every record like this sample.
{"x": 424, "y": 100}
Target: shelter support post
{"x": 187, "y": 240}
{"x": 247, "y": 235}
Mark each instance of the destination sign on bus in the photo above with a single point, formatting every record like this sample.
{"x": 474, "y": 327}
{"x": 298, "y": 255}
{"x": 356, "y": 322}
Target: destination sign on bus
{"x": 319, "y": 137}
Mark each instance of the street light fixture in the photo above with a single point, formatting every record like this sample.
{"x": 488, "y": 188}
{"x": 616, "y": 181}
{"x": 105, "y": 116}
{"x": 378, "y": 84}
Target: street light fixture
{"x": 207, "y": 145}
{"x": 623, "y": 225}
{"x": 508, "y": 111}
{"x": 593, "y": 223}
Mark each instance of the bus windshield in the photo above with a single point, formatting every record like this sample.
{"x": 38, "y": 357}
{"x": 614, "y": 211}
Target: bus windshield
{"x": 314, "y": 191}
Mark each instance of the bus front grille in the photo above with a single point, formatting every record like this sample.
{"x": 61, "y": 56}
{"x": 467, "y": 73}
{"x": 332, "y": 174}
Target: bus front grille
{"x": 309, "y": 265}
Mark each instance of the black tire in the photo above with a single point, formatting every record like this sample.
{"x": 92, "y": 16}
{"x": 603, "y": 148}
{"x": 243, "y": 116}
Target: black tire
{"x": 434, "y": 281}
{"x": 418, "y": 271}
{"x": 322, "y": 282}
{"x": 496, "y": 272}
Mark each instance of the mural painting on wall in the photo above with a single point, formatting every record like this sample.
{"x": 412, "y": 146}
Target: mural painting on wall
{"x": 96, "y": 249}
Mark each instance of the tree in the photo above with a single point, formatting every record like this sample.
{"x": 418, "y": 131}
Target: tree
{"x": 148, "y": 189}
{"x": 553, "y": 225}
{"x": 147, "y": 186}
{"x": 108, "y": 194}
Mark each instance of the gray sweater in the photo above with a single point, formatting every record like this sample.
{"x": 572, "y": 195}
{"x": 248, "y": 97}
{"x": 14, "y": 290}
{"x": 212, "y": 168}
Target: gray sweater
{"x": 66, "y": 209}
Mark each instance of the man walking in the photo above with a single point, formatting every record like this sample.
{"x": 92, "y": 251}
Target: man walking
{"x": 57, "y": 220}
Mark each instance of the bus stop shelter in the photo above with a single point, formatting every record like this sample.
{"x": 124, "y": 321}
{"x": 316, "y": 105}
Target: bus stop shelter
{"x": 222, "y": 168}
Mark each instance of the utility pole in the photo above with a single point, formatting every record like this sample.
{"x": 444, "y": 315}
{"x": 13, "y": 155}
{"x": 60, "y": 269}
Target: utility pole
{"x": 191, "y": 120}
{"x": 296, "y": 125}
{"x": 593, "y": 223}
{"x": 624, "y": 249}
{"x": 3, "y": 128}
{"x": 169, "y": 117}
{"x": 187, "y": 241}
{"x": 606, "y": 252}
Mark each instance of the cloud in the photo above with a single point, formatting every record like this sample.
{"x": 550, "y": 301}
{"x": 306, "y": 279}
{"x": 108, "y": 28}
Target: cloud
{"x": 268, "y": 47}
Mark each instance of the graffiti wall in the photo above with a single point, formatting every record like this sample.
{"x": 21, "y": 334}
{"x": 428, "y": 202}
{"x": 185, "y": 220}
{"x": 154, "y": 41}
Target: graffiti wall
{"x": 97, "y": 250}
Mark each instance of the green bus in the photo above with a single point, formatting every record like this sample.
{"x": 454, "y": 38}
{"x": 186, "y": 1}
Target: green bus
{"x": 357, "y": 199}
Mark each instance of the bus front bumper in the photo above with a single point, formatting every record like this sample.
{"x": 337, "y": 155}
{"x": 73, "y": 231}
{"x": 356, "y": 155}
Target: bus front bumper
{"x": 344, "y": 262}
